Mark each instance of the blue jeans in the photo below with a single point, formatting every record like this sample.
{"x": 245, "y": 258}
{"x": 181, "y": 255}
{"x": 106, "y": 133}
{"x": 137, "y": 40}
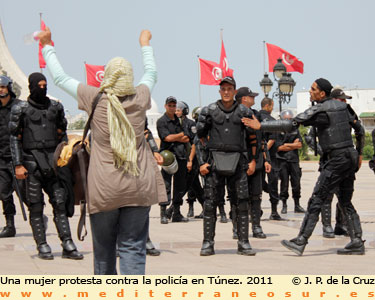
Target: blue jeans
{"x": 126, "y": 226}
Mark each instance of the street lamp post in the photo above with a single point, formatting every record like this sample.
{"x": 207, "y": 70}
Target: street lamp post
{"x": 285, "y": 84}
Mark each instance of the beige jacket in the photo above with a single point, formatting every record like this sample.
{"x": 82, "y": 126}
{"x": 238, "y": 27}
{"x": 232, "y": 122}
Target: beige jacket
{"x": 109, "y": 188}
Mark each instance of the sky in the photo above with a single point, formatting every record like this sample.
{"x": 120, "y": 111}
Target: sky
{"x": 334, "y": 39}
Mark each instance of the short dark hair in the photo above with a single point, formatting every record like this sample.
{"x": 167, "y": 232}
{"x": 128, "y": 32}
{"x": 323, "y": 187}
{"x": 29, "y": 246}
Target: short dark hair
{"x": 266, "y": 101}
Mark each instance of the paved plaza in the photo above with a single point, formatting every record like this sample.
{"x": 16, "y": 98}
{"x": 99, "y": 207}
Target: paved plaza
{"x": 180, "y": 242}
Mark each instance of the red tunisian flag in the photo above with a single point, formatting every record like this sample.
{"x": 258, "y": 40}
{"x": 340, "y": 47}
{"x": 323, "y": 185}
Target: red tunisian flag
{"x": 224, "y": 62}
{"x": 94, "y": 75}
{"x": 211, "y": 73}
{"x": 292, "y": 63}
{"x": 42, "y": 63}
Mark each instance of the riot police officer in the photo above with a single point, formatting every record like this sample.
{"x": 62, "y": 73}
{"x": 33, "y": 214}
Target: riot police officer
{"x": 8, "y": 100}
{"x": 227, "y": 164}
{"x": 246, "y": 97}
{"x": 334, "y": 121}
{"x": 174, "y": 139}
{"x": 37, "y": 126}
{"x": 271, "y": 186}
{"x": 288, "y": 163}
{"x": 193, "y": 185}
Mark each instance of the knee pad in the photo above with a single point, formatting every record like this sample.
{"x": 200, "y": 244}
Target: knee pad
{"x": 34, "y": 191}
{"x": 58, "y": 200}
{"x": 242, "y": 188}
{"x": 209, "y": 207}
{"x": 243, "y": 207}
{"x": 36, "y": 209}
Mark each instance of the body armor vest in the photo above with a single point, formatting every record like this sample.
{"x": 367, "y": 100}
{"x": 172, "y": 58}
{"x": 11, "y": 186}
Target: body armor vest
{"x": 227, "y": 132}
{"x": 338, "y": 134}
{"x": 40, "y": 130}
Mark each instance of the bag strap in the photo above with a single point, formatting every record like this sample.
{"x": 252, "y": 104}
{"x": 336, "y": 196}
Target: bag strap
{"x": 82, "y": 203}
{"x": 94, "y": 104}
{"x": 82, "y": 168}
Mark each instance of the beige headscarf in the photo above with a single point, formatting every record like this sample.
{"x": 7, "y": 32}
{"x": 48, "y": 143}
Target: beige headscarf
{"x": 118, "y": 82}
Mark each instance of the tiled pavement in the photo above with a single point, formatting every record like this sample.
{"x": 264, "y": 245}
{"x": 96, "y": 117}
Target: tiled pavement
{"x": 180, "y": 243}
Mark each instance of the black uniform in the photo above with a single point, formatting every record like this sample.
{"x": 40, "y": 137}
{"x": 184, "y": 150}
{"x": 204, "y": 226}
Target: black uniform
{"x": 289, "y": 169}
{"x": 228, "y": 157}
{"x": 165, "y": 127}
{"x": 150, "y": 248}
{"x": 36, "y": 127}
{"x": 193, "y": 185}
{"x": 271, "y": 187}
{"x": 256, "y": 182}
{"x": 6, "y": 177}
{"x": 333, "y": 120}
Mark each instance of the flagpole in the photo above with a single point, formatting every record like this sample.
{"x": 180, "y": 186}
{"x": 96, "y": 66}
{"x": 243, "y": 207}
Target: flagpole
{"x": 264, "y": 57}
{"x": 40, "y": 26}
{"x": 84, "y": 71}
{"x": 199, "y": 83}
{"x": 221, "y": 33}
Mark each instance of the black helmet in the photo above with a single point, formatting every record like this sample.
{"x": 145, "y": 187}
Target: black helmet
{"x": 6, "y": 81}
{"x": 184, "y": 107}
{"x": 196, "y": 111}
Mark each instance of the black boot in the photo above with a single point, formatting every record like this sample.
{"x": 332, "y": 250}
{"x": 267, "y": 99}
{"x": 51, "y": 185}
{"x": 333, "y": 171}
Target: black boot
{"x": 284, "y": 210}
{"x": 340, "y": 226}
{"x": 297, "y": 207}
{"x": 233, "y": 217}
{"x": 169, "y": 211}
{"x": 163, "y": 214}
{"x": 190, "y": 213}
{"x": 9, "y": 230}
{"x": 39, "y": 233}
{"x": 274, "y": 214}
{"x": 326, "y": 221}
{"x": 63, "y": 229}
{"x": 223, "y": 216}
{"x": 177, "y": 216}
{"x": 150, "y": 248}
{"x": 298, "y": 244}
{"x": 356, "y": 245}
{"x": 70, "y": 250}
{"x": 243, "y": 245}
{"x": 209, "y": 223}
{"x": 255, "y": 212}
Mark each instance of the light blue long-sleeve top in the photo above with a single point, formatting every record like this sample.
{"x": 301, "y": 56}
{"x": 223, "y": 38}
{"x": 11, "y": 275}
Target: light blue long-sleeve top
{"x": 70, "y": 85}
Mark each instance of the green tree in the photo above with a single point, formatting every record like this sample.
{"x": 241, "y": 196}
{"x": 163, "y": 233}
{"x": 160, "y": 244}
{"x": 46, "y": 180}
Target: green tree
{"x": 304, "y": 151}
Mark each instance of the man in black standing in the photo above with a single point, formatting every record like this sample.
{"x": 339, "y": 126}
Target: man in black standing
{"x": 256, "y": 148}
{"x": 37, "y": 126}
{"x": 228, "y": 164}
{"x": 333, "y": 120}
{"x": 8, "y": 100}
{"x": 288, "y": 162}
{"x": 271, "y": 187}
{"x": 193, "y": 185}
{"x": 173, "y": 138}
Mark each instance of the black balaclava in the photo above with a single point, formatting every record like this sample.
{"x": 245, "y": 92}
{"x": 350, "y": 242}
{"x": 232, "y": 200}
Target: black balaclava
{"x": 37, "y": 94}
{"x": 324, "y": 85}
